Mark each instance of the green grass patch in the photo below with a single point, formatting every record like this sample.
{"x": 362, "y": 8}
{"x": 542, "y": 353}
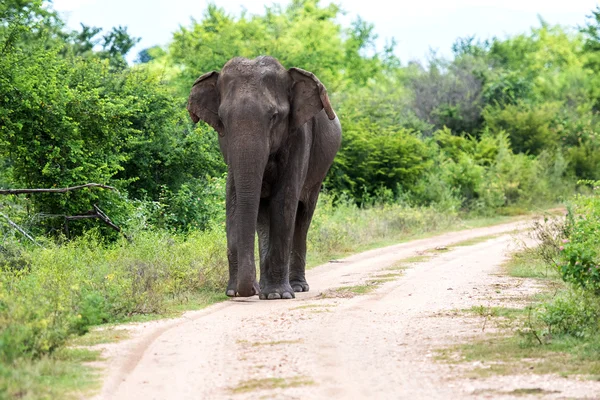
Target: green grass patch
{"x": 515, "y": 355}
{"x": 528, "y": 264}
{"x": 360, "y": 289}
{"x": 379, "y": 281}
{"x": 308, "y": 306}
{"x": 391, "y": 275}
{"x": 340, "y": 232}
{"x": 100, "y": 336}
{"x": 416, "y": 259}
{"x": 198, "y": 300}
{"x": 505, "y": 312}
{"x": 357, "y": 289}
{"x": 57, "y": 376}
{"x": 253, "y": 385}
{"x": 515, "y": 392}
{"x": 477, "y": 240}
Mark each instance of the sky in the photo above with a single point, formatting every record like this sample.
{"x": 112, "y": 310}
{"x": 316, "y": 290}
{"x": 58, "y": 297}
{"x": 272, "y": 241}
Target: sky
{"x": 418, "y": 26}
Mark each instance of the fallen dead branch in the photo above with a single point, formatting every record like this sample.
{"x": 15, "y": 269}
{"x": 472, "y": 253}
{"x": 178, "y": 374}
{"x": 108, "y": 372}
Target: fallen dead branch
{"x": 58, "y": 190}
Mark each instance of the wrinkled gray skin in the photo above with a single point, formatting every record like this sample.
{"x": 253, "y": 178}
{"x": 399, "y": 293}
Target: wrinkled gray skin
{"x": 278, "y": 135}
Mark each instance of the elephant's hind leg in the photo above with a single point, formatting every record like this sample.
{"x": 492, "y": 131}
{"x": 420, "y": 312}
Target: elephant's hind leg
{"x": 262, "y": 229}
{"x": 298, "y": 256}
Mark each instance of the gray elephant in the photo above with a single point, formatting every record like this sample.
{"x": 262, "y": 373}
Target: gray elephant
{"x": 278, "y": 135}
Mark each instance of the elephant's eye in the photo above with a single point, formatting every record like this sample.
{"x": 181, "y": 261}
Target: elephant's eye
{"x": 274, "y": 116}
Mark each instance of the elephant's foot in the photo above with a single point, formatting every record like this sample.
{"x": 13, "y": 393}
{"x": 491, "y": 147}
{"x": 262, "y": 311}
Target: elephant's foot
{"x": 299, "y": 285}
{"x": 232, "y": 291}
{"x": 273, "y": 292}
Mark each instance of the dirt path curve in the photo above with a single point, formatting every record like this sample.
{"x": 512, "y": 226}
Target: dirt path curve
{"x": 323, "y": 344}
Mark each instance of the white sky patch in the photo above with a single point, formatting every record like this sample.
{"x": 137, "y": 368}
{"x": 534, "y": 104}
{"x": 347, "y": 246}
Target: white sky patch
{"x": 416, "y": 25}
{"x": 71, "y": 5}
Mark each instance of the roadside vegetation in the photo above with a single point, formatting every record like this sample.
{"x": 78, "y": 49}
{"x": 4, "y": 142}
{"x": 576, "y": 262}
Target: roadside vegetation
{"x": 506, "y": 126}
{"x": 558, "y": 332}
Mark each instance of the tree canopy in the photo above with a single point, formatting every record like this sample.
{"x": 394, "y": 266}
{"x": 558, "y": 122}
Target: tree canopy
{"x": 73, "y": 111}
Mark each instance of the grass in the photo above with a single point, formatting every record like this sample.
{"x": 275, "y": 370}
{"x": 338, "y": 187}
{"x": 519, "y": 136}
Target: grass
{"x": 175, "y": 307}
{"x": 477, "y": 240}
{"x": 405, "y": 263}
{"x": 161, "y": 275}
{"x": 391, "y": 275}
{"x": 359, "y": 289}
{"x": 271, "y": 383}
{"x": 526, "y": 264}
{"x": 309, "y": 306}
{"x": 350, "y": 291}
{"x": 515, "y": 392}
{"x": 100, "y": 336}
{"x": 511, "y": 355}
{"x": 504, "y": 312}
{"x": 527, "y": 342}
{"x": 199, "y": 300}
{"x": 402, "y": 264}
{"x": 62, "y": 375}
{"x": 346, "y": 242}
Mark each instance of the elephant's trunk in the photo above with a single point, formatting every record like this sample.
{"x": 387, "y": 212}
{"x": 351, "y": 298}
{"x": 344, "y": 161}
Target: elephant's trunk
{"x": 248, "y": 165}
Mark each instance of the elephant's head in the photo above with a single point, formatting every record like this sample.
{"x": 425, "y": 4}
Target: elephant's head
{"x": 254, "y": 105}
{"x": 260, "y": 91}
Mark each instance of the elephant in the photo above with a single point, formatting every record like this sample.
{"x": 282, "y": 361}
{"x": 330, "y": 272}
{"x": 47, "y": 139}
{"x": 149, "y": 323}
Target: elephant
{"x": 278, "y": 135}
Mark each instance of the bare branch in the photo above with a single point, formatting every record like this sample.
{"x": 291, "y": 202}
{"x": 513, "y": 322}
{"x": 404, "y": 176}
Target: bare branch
{"x": 59, "y": 190}
{"x": 21, "y": 230}
{"x": 96, "y": 213}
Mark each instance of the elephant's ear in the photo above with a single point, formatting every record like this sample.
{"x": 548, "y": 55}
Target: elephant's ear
{"x": 203, "y": 103}
{"x": 309, "y": 97}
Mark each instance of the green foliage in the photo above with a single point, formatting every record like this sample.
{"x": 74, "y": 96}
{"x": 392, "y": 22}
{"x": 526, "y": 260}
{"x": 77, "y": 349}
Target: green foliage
{"x": 372, "y": 158}
{"x": 197, "y": 205}
{"x": 303, "y": 34}
{"x": 529, "y": 127}
{"x": 340, "y": 228}
{"x": 573, "y": 313}
{"x": 450, "y": 94}
{"x": 63, "y": 122}
{"x": 580, "y": 258}
{"x": 69, "y": 287}
{"x": 504, "y": 125}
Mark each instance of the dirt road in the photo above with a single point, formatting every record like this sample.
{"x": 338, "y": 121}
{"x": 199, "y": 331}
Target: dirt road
{"x": 332, "y": 343}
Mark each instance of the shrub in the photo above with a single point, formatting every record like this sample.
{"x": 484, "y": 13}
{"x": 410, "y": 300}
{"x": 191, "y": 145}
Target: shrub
{"x": 529, "y": 127}
{"x": 68, "y": 288}
{"x": 373, "y": 156}
{"x": 580, "y": 260}
{"x": 343, "y": 227}
{"x": 572, "y": 312}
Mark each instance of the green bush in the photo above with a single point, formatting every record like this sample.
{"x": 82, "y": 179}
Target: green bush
{"x": 572, "y": 312}
{"x": 483, "y": 175}
{"x": 580, "y": 258}
{"x": 529, "y": 128}
{"x": 85, "y": 282}
{"x": 373, "y": 156}
{"x": 342, "y": 227}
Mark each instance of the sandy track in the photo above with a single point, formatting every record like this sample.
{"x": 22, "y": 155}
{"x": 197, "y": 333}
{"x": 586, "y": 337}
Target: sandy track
{"x": 375, "y": 346}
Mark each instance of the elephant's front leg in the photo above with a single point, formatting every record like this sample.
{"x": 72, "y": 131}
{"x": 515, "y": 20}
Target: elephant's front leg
{"x": 282, "y": 212}
{"x": 232, "y": 253}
